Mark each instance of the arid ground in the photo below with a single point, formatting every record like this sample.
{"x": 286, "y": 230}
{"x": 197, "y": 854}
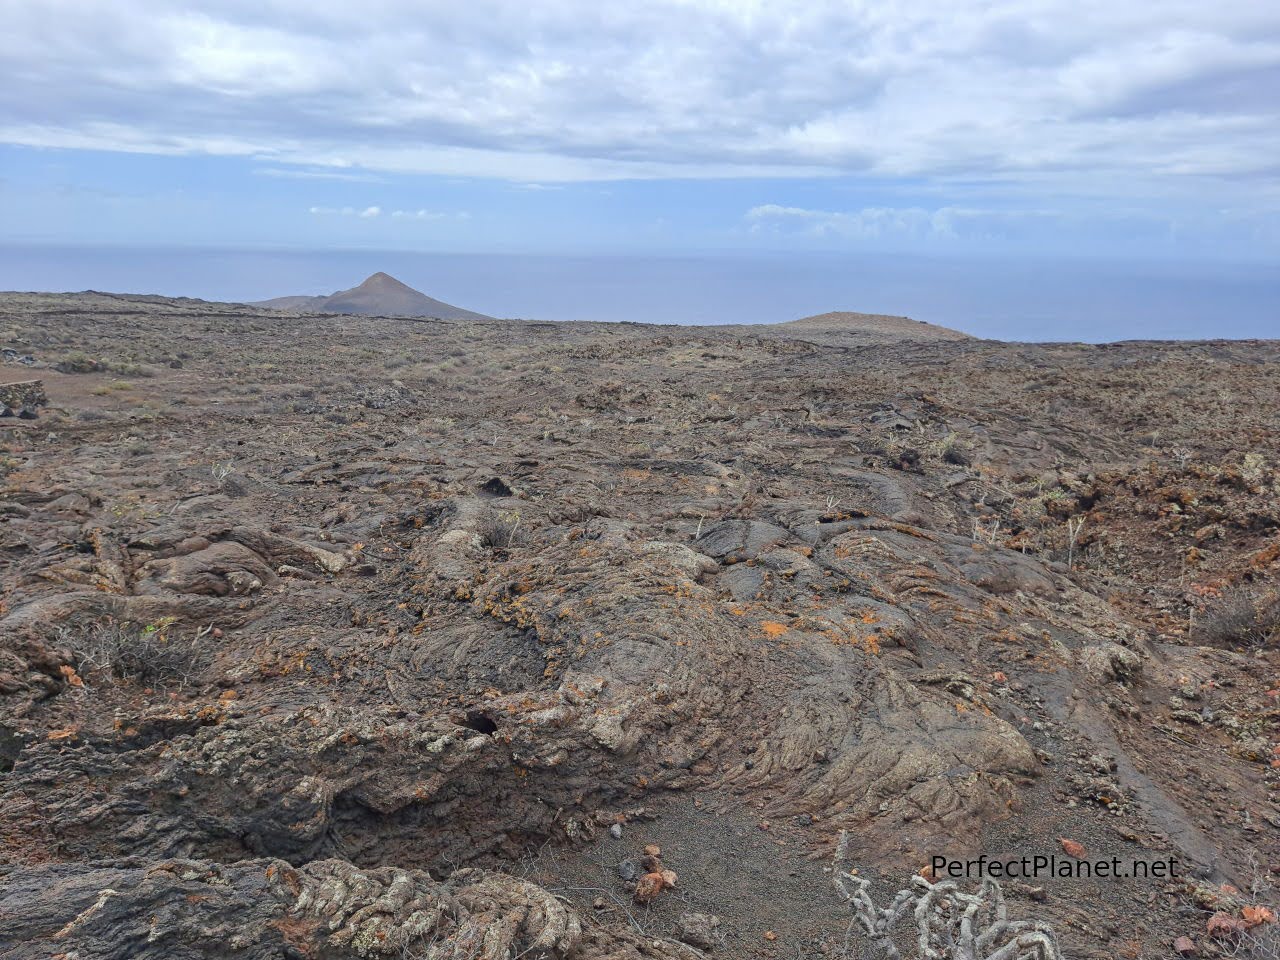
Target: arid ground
{"x": 330, "y": 636}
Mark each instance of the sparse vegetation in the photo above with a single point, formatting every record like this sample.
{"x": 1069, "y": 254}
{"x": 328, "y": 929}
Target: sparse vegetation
{"x": 154, "y": 654}
{"x": 500, "y": 531}
{"x": 953, "y": 451}
{"x": 1242, "y": 617}
{"x": 950, "y": 923}
{"x": 1260, "y": 943}
{"x": 78, "y": 361}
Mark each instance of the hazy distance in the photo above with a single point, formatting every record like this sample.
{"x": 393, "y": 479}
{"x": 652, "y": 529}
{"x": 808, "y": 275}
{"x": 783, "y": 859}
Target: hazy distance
{"x": 1008, "y": 298}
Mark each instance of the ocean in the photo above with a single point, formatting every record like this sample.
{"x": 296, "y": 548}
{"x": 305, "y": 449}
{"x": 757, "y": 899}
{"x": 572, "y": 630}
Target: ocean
{"x": 1038, "y": 299}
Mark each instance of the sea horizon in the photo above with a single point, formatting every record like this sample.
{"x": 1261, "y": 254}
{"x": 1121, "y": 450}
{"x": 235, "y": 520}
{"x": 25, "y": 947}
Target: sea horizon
{"x": 1019, "y": 298}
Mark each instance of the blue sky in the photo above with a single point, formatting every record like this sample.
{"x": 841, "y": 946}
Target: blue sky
{"x": 1122, "y": 130}
{"x": 92, "y": 196}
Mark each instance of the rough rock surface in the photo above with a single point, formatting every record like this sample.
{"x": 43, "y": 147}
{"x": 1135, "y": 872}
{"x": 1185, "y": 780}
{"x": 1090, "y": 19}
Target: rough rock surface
{"x": 22, "y": 395}
{"x": 283, "y": 674}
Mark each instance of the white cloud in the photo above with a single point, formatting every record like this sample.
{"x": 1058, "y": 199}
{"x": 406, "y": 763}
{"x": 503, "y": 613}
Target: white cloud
{"x": 373, "y": 212}
{"x": 288, "y": 173}
{"x": 418, "y": 215}
{"x": 1071, "y": 93}
{"x": 870, "y": 222}
{"x": 365, "y": 213}
{"x": 943, "y": 223}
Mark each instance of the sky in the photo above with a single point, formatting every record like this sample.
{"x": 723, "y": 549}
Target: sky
{"x": 1125, "y": 131}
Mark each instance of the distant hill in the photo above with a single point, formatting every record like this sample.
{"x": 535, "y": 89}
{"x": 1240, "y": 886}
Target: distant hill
{"x": 381, "y": 295}
{"x": 868, "y": 326}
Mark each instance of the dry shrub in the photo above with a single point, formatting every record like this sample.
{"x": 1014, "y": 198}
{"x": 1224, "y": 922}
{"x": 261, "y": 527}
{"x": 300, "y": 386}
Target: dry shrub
{"x": 1242, "y": 617}
{"x": 1260, "y": 943}
{"x": 500, "y": 532}
{"x": 950, "y": 923}
{"x": 154, "y": 654}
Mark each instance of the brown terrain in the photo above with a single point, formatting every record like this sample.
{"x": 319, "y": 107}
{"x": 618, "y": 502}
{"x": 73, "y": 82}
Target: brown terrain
{"x": 405, "y": 638}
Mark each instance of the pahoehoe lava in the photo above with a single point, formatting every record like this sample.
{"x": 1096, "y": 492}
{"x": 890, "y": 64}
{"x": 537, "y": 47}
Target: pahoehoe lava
{"x": 334, "y": 637}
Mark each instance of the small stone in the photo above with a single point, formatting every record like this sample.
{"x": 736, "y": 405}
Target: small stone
{"x": 698, "y": 930}
{"x": 648, "y": 888}
{"x": 1072, "y": 848}
{"x": 652, "y": 850}
{"x": 628, "y": 870}
{"x": 1185, "y": 947}
{"x": 1207, "y": 532}
{"x": 615, "y": 831}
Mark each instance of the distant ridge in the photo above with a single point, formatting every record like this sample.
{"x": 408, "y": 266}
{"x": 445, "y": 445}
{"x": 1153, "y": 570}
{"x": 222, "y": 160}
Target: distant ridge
{"x": 382, "y": 295}
{"x": 870, "y": 326}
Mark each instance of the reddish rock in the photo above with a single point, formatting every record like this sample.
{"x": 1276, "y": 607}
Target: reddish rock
{"x": 649, "y": 887}
{"x": 1223, "y": 926}
{"x": 1073, "y": 848}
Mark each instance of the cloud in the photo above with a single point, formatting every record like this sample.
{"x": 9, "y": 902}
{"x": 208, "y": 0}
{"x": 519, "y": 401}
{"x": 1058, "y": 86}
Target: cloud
{"x": 419, "y": 215}
{"x": 1067, "y": 94}
{"x": 373, "y": 212}
{"x": 870, "y": 222}
{"x": 288, "y": 173}
{"x": 946, "y": 223}
{"x": 365, "y": 213}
